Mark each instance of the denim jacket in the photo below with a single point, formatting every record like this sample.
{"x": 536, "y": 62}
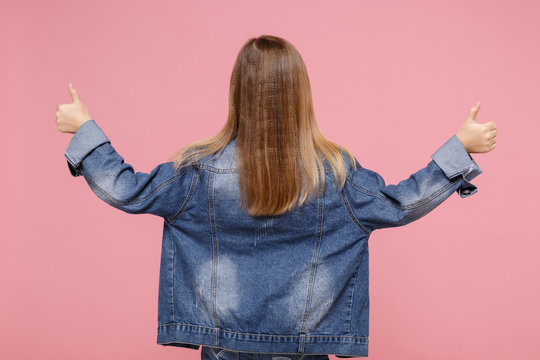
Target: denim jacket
{"x": 295, "y": 283}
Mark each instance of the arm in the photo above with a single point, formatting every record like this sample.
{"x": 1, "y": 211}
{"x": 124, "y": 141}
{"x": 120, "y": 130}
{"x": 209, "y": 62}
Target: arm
{"x": 163, "y": 191}
{"x": 375, "y": 205}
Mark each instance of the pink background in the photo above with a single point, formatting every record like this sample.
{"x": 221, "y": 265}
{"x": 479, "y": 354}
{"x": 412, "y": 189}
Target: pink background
{"x": 391, "y": 80}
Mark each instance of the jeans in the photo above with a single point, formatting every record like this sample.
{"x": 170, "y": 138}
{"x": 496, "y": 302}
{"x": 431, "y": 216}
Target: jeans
{"x": 210, "y": 353}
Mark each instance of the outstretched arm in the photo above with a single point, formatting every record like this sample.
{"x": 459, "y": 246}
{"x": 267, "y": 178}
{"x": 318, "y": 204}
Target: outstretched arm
{"x": 164, "y": 191}
{"x": 373, "y": 204}
{"x": 377, "y": 205}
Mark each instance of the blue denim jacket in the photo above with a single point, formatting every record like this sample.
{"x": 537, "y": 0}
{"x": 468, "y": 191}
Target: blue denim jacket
{"x": 295, "y": 283}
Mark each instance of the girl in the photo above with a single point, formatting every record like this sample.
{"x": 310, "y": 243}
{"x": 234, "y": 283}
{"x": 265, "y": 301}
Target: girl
{"x": 265, "y": 251}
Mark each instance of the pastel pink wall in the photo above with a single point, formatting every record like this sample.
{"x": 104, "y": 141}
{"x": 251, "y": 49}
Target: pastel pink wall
{"x": 391, "y": 80}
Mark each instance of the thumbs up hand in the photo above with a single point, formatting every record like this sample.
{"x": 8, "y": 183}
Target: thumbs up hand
{"x": 70, "y": 117}
{"x": 476, "y": 137}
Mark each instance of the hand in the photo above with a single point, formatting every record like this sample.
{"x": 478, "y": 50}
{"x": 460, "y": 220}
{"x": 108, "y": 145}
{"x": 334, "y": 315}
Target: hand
{"x": 476, "y": 137}
{"x": 70, "y": 117}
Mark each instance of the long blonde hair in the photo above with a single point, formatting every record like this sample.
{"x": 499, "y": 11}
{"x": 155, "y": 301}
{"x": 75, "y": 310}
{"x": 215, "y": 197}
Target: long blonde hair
{"x": 278, "y": 142}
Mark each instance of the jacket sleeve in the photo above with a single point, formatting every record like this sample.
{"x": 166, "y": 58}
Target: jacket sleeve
{"x": 373, "y": 204}
{"x": 162, "y": 192}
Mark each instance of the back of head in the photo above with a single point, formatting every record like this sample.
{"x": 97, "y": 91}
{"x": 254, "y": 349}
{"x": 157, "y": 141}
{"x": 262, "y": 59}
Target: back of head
{"x": 279, "y": 146}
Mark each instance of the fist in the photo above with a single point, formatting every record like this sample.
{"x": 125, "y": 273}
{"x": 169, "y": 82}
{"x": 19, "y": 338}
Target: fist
{"x": 70, "y": 117}
{"x": 476, "y": 137}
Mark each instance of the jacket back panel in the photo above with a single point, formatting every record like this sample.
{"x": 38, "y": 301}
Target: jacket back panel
{"x": 285, "y": 275}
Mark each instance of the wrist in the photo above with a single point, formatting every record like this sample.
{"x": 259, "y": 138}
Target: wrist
{"x": 82, "y": 123}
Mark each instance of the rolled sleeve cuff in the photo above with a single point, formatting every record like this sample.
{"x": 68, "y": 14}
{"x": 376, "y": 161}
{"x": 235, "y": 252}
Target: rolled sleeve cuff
{"x": 454, "y": 160}
{"x": 87, "y": 138}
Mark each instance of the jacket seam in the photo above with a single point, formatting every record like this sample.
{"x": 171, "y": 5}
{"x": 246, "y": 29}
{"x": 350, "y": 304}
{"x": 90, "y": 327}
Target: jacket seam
{"x": 408, "y": 206}
{"x": 235, "y": 169}
{"x": 192, "y": 187}
{"x": 314, "y": 262}
{"x": 214, "y": 254}
{"x": 173, "y": 245}
{"x": 468, "y": 168}
{"x": 160, "y": 186}
{"x": 216, "y": 170}
{"x": 260, "y": 334}
{"x": 351, "y": 214}
{"x": 351, "y": 304}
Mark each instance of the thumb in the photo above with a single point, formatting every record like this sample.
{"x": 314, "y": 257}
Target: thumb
{"x": 74, "y": 94}
{"x": 474, "y": 111}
